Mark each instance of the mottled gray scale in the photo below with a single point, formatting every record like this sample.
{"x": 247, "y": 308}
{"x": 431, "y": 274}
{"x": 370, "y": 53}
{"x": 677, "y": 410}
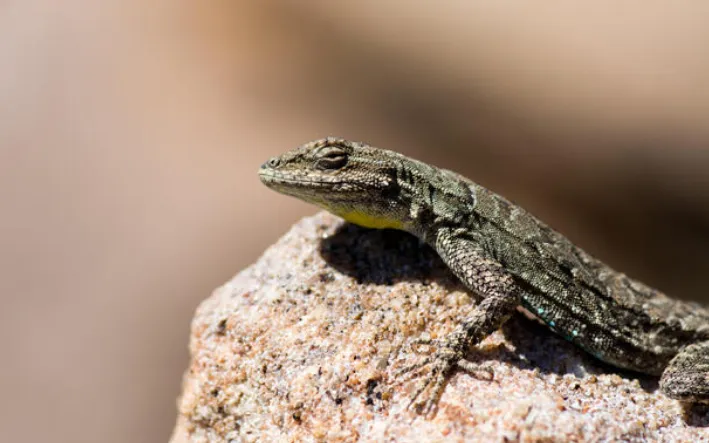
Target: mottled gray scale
{"x": 509, "y": 258}
{"x": 549, "y": 266}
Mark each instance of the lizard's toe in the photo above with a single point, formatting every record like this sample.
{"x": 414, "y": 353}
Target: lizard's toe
{"x": 482, "y": 371}
{"x": 442, "y": 364}
{"x": 439, "y": 366}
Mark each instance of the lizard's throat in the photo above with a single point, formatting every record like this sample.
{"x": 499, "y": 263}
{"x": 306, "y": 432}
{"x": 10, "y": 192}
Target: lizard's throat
{"x": 325, "y": 195}
{"x": 362, "y": 217}
{"x": 372, "y": 221}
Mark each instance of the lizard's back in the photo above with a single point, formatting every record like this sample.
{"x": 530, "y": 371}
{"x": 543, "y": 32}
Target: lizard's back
{"x": 619, "y": 320}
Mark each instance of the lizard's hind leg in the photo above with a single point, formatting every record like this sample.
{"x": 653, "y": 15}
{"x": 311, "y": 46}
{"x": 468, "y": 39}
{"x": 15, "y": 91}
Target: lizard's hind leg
{"x": 686, "y": 378}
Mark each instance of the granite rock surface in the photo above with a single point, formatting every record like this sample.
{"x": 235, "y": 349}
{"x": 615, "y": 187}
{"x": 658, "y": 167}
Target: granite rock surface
{"x": 303, "y": 346}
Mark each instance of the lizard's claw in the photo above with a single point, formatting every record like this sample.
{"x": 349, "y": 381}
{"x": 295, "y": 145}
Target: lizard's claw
{"x": 447, "y": 357}
{"x": 442, "y": 364}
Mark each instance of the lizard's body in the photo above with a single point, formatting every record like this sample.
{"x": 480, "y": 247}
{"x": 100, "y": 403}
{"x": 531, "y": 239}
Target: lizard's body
{"x": 507, "y": 256}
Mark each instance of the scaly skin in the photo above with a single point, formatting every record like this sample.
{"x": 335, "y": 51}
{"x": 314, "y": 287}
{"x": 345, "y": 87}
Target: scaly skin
{"x": 509, "y": 258}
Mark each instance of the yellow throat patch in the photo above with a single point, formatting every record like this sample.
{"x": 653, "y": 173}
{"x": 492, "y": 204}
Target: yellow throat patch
{"x": 368, "y": 221}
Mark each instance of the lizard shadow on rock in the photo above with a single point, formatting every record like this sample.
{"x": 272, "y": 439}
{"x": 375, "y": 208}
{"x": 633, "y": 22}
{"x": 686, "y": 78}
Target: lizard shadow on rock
{"x": 696, "y": 415}
{"x": 387, "y": 256}
{"x": 384, "y": 257}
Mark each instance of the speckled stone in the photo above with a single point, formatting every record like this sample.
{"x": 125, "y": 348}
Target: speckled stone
{"x": 303, "y": 345}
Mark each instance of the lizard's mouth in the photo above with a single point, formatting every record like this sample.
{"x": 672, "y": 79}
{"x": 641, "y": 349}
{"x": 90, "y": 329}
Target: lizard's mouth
{"x": 281, "y": 180}
{"x": 320, "y": 189}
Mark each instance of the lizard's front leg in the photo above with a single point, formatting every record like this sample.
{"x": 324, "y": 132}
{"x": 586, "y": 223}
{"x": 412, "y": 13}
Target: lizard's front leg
{"x": 482, "y": 274}
{"x": 686, "y": 378}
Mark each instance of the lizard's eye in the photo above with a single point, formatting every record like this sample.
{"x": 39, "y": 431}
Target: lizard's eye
{"x": 330, "y": 159}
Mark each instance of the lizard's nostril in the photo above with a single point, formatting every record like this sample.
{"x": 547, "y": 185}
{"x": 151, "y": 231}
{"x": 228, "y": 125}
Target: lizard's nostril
{"x": 271, "y": 163}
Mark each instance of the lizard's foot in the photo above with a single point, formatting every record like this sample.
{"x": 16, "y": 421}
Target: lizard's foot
{"x": 448, "y": 356}
{"x": 685, "y": 377}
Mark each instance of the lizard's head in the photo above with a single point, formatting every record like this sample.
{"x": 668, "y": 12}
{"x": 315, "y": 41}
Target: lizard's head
{"x": 350, "y": 179}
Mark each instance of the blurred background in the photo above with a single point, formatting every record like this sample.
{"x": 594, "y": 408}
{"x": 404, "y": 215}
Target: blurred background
{"x": 131, "y": 133}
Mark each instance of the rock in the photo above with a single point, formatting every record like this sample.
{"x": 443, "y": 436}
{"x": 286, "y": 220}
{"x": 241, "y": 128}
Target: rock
{"x": 303, "y": 346}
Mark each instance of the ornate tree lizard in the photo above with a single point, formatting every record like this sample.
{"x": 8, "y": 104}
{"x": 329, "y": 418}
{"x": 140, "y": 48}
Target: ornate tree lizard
{"x": 508, "y": 257}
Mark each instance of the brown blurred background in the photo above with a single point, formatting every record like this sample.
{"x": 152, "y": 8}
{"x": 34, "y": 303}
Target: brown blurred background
{"x": 131, "y": 133}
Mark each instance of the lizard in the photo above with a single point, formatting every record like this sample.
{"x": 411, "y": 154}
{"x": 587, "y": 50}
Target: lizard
{"x": 509, "y": 258}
